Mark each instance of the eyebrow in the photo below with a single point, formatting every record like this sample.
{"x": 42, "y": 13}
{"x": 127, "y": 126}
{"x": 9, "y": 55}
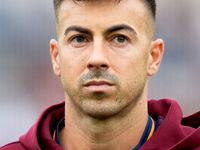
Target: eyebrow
{"x": 119, "y": 27}
{"x": 78, "y": 29}
{"x": 107, "y": 31}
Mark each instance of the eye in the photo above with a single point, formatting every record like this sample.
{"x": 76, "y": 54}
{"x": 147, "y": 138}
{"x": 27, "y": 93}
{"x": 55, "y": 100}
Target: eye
{"x": 79, "y": 39}
{"x": 119, "y": 39}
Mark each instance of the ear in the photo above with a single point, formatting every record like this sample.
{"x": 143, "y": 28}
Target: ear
{"x": 55, "y": 58}
{"x": 156, "y": 53}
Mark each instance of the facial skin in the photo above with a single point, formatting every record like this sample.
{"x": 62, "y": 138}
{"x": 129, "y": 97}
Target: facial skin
{"x": 104, "y": 55}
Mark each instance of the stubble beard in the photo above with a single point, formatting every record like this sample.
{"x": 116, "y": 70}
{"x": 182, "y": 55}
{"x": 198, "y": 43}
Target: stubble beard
{"x": 99, "y": 105}
{"x": 102, "y": 106}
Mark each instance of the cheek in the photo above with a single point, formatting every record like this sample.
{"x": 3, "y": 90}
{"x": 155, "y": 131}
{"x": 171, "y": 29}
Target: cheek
{"x": 131, "y": 67}
{"x": 124, "y": 64}
{"x": 72, "y": 66}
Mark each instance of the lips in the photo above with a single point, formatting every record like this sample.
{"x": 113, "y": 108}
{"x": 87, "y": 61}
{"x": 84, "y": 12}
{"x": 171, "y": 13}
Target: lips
{"x": 97, "y": 83}
{"x": 98, "y": 86}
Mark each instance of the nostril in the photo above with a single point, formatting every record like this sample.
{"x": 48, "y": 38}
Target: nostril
{"x": 103, "y": 66}
{"x": 91, "y": 66}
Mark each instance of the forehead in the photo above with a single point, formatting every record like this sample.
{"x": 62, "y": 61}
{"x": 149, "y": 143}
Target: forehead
{"x": 102, "y": 13}
{"x": 136, "y": 5}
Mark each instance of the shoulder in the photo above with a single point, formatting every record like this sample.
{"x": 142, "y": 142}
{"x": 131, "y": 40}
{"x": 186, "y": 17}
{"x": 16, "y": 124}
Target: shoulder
{"x": 13, "y": 146}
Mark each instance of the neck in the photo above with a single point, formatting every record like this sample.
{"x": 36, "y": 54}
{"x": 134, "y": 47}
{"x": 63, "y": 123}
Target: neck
{"x": 117, "y": 132}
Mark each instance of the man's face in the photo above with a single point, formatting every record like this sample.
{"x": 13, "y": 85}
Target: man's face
{"x": 103, "y": 54}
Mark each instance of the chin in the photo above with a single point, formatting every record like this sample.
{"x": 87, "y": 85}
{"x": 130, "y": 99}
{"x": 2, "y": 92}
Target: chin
{"x": 101, "y": 110}
{"x": 101, "y": 115}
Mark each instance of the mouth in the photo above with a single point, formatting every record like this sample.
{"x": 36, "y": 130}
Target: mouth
{"x": 98, "y": 85}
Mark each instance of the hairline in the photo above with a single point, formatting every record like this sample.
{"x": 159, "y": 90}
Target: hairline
{"x": 57, "y": 8}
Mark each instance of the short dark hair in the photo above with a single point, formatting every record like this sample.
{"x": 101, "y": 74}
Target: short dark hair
{"x": 150, "y": 3}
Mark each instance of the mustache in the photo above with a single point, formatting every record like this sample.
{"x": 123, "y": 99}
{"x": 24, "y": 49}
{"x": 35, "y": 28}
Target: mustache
{"x": 99, "y": 74}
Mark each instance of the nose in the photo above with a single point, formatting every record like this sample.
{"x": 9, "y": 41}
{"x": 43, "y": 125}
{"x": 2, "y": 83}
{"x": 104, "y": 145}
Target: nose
{"x": 98, "y": 58}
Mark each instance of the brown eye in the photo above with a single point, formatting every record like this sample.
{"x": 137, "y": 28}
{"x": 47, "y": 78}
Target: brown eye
{"x": 79, "y": 39}
{"x": 119, "y": 39}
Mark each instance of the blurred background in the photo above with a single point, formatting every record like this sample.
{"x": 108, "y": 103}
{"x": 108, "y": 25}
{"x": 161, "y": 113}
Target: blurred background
{"x": 27, "y": 82}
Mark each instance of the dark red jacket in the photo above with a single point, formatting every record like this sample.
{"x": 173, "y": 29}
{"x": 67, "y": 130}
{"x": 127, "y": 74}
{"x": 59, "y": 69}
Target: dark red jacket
{"x": 174, "y": 133}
